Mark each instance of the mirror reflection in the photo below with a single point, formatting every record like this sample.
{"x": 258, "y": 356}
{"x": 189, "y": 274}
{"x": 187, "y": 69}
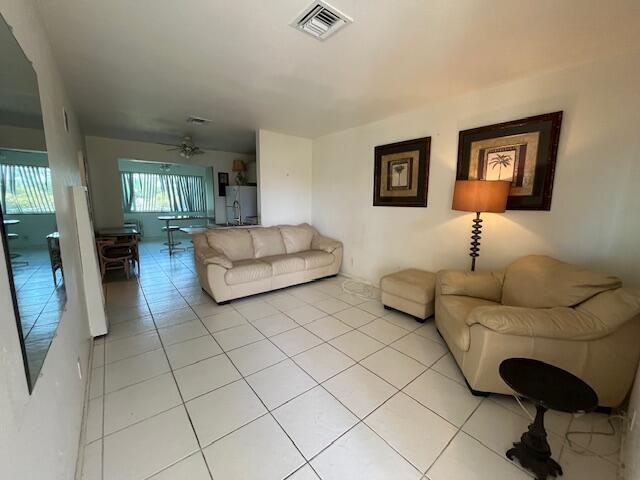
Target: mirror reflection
{"x": 29, "y": 231}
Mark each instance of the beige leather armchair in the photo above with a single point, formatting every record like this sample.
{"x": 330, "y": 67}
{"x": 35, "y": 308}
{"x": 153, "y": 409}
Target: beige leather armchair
{"x": 541, "y": 308}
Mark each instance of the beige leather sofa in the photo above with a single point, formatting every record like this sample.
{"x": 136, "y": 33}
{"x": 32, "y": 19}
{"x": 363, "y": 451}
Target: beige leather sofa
{"x": 237, "y": 262}
{"x": 541, "y": 308}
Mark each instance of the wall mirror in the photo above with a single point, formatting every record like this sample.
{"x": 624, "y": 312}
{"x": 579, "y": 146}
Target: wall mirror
{"x": 29, "y": 233}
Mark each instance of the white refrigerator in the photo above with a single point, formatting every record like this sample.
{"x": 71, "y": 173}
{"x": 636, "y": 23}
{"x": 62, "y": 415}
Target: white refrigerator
{"x": 242, "y": 204}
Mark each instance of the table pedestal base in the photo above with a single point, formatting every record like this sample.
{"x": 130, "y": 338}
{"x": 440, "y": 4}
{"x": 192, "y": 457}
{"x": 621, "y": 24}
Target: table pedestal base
{"x": 533, "y": 452}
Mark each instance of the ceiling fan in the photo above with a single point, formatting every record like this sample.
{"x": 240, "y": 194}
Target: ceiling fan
{"x": 187, "y": 148}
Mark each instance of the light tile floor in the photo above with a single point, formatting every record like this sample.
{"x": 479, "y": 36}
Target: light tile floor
{"x": 41, "y": 298}
{"x": 303, "y": 383}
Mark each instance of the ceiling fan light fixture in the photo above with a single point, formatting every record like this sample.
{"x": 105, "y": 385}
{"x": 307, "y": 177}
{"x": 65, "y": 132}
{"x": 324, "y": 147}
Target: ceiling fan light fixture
{"x": 187, "y": 148}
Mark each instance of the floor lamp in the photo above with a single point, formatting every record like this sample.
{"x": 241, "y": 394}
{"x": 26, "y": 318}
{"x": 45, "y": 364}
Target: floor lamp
{"x": 480, "y": 196}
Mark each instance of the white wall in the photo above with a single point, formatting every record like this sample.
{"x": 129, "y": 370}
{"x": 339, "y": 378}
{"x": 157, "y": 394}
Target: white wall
{"x": 106, "y": 195}
{"x": 40, "y": 432}
{"x": 22, "y": 138}
{"x": 284, "y": 172}
{"x": 594, "y": 215}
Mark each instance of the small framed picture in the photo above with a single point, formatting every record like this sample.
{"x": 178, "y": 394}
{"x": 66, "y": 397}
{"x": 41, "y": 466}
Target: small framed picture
{"x": 223, "y": 181}
{"x": 522, "y": 151}
{"x": 401, "y": 174}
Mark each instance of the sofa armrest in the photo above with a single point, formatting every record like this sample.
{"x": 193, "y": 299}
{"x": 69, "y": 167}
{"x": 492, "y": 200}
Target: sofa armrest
{"x": 485, "y": 285}
{"x": 613, "y": 307}
{"x": 324, "y": 243}
{"x": 208, "y": 256}
{"x": 558, "y": 322}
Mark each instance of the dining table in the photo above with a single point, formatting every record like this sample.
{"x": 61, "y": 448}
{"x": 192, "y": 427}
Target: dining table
{"x": 118, "y": 232}
{"x": 172, "y": 245}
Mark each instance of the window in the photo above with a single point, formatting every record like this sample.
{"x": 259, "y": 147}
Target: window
{"x": 26, "y": 189}
{"x": 161, "y": 192}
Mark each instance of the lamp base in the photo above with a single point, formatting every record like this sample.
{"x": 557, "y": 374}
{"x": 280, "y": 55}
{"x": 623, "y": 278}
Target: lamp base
{"x": 475, "y": 240}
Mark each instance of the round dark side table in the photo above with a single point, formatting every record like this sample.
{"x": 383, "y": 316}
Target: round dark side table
{"x": 548, "y": 387}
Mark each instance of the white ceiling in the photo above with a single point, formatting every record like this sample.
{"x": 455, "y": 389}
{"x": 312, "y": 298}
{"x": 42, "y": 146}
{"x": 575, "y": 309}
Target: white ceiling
{"x": 136, "y": 69}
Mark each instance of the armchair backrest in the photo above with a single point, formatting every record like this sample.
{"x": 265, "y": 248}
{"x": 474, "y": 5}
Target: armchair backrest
{"x": 484, "y": 285}
{"x": 538, "y": 281}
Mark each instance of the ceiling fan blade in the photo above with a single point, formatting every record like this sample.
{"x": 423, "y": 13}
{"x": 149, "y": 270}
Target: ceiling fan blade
{"x": 174, "y": 149}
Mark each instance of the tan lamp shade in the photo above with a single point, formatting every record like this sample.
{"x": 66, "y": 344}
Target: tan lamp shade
{"x": 239, "y": 166}
{"x": 481, "y": 195}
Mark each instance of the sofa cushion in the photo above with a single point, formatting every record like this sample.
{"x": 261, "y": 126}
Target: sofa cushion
{"x": 297, "y": 238}
{"x": 285, "y": 263}
{"x": 234, "y": 243}
{"x": 267, "y": 241}
{"x": 539, "y": 281}
{"x": 454, "y": 313}
{"x": 245, "y": 271}
{"x": 411, "y": 284}
{"x": 315, "y": 259}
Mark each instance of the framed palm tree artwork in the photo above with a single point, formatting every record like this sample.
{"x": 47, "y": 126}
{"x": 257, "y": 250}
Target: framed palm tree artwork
{"x": 521, "y": 151}
{"x": 401, "y": 174}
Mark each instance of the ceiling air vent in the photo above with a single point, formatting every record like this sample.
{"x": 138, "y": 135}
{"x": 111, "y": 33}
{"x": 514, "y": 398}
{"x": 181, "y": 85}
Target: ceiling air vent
{"x": 320, "y": 20}
{"x": 197, "y": 120}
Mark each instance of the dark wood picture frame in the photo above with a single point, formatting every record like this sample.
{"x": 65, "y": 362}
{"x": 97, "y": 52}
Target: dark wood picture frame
{"x": 419, "y": 199}
{"x": 548, "y": 126}
{"x": 223, "y": 181}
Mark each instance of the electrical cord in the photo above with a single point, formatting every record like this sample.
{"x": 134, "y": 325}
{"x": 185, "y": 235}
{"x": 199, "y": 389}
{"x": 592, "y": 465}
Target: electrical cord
{"x": 363, "y": 289}
{"x": 573, "y": 445}
{"x": 586, "y": 450}
{"x": 360, "y": 288}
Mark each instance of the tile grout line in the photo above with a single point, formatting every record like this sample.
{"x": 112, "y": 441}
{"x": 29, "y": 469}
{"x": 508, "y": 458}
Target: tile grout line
{"x": 360, "y": 421}
{"x": 306, "y": 462}
{"x": 291, "y": 357}
{"x": 257, "y": 396}
{"x": 184, "y": 406}
{"x": 179, "y": 392}
{"x": 104, "y": 387}
{"x": 459, "y": 429}
{"x": 254, "y": 392}
{"x": 317, "y": 384}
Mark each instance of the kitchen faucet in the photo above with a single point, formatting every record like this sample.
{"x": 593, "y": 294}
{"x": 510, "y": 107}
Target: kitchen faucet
{"x": 238, "y": 218}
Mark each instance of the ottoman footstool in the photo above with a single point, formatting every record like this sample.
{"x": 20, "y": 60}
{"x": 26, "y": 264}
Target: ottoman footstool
{"x": 411, "y": 291}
